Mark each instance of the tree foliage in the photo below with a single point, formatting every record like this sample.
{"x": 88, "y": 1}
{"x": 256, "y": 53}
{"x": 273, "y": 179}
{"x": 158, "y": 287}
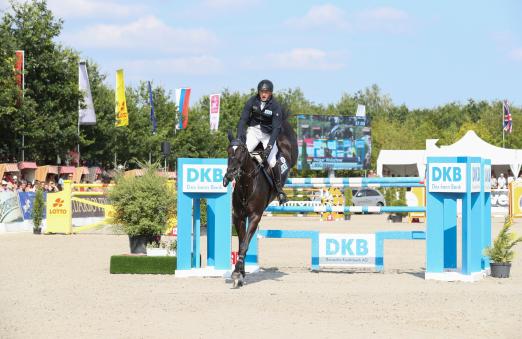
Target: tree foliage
{"x": 48, "y": 115}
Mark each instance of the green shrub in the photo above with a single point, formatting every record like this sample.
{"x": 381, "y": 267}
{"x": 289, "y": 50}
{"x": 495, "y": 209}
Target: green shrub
{"x": 502, "y": 250}
{"x": 38, "y": 209}
{"x": 142, "y": 205}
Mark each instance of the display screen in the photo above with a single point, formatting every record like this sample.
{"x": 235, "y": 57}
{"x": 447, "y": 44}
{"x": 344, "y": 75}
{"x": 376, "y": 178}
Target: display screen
{"x": 333, "y": 142}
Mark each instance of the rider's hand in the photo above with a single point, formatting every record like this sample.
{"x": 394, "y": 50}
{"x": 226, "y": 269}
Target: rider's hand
{"x": 266, "y": 151}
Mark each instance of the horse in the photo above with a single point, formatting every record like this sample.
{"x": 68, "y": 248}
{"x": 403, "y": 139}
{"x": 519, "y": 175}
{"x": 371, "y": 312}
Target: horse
{"x": 253, "y": 190}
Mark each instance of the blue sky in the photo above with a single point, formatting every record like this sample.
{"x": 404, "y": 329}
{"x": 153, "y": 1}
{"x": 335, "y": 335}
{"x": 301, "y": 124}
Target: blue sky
{"x": 420, "y": 53}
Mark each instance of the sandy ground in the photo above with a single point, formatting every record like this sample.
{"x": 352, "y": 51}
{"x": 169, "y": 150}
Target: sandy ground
{"x": 60, "y": 287}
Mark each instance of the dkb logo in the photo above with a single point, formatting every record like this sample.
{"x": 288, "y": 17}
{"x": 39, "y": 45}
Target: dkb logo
{"x": 204, "y": 174}
{"x": 204, "y": 178}
{"x": 346, "y": 247}
{"x": 448, "y": 174}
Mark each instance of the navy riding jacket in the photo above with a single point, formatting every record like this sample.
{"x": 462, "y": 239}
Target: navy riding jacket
{"x": 269, "y": 118}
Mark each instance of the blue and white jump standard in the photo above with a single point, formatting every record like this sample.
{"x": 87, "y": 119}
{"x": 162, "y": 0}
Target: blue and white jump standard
{"x": 450, "y": 179}
{"x": 203, "y": 179}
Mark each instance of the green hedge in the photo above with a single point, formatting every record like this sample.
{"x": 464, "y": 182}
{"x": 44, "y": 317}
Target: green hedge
{"x": 134, "y": 264}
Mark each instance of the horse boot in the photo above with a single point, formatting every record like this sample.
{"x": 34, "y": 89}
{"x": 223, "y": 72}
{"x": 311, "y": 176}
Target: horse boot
{"x": 281, "y": 196}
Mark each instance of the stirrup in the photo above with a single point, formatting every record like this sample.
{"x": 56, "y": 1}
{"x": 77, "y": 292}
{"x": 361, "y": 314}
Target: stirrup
{"x": 281, "y": 196}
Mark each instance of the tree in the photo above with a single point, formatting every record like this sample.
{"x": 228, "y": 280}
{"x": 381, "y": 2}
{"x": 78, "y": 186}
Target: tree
{"x": 48, "y": 115}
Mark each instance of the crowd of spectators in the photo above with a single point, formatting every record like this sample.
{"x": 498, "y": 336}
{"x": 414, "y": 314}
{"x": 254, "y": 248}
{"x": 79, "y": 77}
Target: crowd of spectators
{"x": 502, "y": 181}
{"x": 11, "y": 183}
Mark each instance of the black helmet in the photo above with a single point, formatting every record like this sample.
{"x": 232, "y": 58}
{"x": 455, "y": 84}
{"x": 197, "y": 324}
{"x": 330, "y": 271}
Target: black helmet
{"x": 265, "y": 85}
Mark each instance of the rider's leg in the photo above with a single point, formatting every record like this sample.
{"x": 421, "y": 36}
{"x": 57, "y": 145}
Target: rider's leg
{"x": 278, "y": 169}
{"x": 253, "y": 137}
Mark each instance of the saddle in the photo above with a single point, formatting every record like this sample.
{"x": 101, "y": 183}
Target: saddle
{"x": 264, "y": 167}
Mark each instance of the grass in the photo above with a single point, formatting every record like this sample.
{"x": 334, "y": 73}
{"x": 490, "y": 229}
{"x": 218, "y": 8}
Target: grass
{"x": 131, "y": 264}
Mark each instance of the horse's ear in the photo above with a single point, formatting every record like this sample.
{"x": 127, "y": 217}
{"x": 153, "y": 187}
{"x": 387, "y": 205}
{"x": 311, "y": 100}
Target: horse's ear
{"x": 230, "y": 136}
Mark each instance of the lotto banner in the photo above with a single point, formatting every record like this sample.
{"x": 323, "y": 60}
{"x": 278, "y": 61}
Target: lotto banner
{"x": 122, "y": 116}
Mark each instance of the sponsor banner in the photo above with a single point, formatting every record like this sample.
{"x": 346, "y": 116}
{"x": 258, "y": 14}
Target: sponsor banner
{"x": 122, "y": 116}
{"x": 475, "y": 177}
{"x": 86, "y": 210}
{"x": 487, "y": 178}
{"x": 447, "y": 177}
{"x": 204, "y": 178}
{"x": 500, "y": 198}
{"x": 214, "y": 111}
{"x": 347, "y": 250}
{"x": 516, "y": 199}
{"x": 26, "y": 200}
{"x": 9, "y": 207}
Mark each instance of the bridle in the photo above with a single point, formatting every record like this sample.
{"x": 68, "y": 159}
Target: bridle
{"x": 238, "y": 172}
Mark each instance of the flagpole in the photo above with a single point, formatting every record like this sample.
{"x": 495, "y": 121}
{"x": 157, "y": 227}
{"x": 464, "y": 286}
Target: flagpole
{"x": 502, "y": 122}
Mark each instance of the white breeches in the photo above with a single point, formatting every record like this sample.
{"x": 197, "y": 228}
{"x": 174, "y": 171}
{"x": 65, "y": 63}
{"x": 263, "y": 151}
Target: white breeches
{"x": 254, "y": 136}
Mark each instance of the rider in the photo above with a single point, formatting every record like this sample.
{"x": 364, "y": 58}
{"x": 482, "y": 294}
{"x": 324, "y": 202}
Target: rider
{"x": 263, "y": 116}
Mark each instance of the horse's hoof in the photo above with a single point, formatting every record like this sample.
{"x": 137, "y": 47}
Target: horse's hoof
{"x": 238, "y": 282}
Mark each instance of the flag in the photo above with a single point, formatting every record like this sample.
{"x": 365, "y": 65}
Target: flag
{"x": 182, "y": 101}
{"x": 122, "y": 116}
{"x": 152, "y": 116}
{"x": 508, "y": 123}
{"x": 19, "y": 69}
{"x": 214, "y": 111}
{"x": 19, "y": 73}
{"x": 86, "y": 116}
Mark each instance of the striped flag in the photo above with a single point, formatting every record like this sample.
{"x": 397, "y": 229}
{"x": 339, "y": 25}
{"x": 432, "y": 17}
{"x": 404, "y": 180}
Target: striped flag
{"x": 182, "y": 101}
{"x": 508, "y": 123}
{"x": 152, "y": 116}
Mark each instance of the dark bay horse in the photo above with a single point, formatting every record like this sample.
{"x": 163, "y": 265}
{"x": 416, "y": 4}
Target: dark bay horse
{"x": 253, "y": 191}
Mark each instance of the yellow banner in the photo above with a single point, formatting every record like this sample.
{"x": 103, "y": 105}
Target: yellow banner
{"x": 122, "y": 117}
{"x": 516, "y": 200}
{"x": 59, "y": 212}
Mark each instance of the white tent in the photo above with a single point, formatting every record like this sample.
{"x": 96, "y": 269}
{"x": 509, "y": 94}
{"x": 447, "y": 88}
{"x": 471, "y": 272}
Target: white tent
{"x": 401, "y": 161}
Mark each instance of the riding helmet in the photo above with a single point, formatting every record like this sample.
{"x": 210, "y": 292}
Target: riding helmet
{"x": 265, "y": 85}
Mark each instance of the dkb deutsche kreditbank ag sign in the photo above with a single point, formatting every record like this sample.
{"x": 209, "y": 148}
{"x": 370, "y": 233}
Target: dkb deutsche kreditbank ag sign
{"x": 204, "y": 178}
{"x": 447, "y": 177}
{"x": 347, "y": 250}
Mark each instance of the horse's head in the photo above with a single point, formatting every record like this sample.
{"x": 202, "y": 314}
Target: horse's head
{"x": 237, "y": 155}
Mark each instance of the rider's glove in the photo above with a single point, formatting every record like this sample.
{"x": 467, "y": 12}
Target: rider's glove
{"x": 266, "y": 152}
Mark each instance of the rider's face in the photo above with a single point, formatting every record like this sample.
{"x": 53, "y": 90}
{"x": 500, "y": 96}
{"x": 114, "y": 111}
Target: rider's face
{"x": 265, "y": 95}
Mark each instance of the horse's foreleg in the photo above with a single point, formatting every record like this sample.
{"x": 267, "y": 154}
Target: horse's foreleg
{"x": 253, "y": 222}
{"x": 239, "y": 269}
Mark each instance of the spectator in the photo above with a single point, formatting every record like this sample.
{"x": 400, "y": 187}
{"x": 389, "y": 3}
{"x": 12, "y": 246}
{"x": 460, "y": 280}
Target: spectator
{"x": 23, "y": 186}
{"x": 501, "y": 181}
{"x": 493, "y": 180}
{"x": 52, "y": 187}
{"x": 4, "y": 186}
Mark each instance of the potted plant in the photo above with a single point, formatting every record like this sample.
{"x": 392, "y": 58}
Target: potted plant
{"x": 142, "y": 206}
{"x": 38, "y": 210}
{"x": 501, "y": 253}
{"x": 348, "y": 201}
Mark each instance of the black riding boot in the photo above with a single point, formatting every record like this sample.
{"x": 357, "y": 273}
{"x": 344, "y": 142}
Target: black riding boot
{"x": 281, "y": 196}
